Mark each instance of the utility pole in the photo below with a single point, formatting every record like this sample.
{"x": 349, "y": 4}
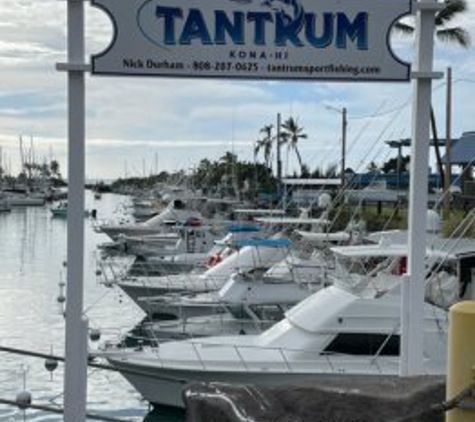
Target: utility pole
{"x": 343, "y": 145}
{"x": 344, "y": 126}
{"x": 279, "y": 162}
{"x": 448, "y": 143}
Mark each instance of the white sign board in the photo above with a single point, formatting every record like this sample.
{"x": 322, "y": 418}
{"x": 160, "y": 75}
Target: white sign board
{"x": 344, "y": 40}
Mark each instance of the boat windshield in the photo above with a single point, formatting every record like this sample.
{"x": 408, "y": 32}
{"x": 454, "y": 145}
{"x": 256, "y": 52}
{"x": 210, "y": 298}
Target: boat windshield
{"x": 364, "y": 265}
{"x": 268, "y": 312}
{"x": 273, "y": 312}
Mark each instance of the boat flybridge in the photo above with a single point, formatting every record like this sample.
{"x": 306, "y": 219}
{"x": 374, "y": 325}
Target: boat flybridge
{"x": 242, "y": 288}
{"x": 175, "y": 213}
{"x": 450, "y": 263}
{"x": 350, "y": 327}
{"x": 234, "y": 310}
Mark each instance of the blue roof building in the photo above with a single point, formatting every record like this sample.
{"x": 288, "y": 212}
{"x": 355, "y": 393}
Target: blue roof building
{"x": 463, "y": 150}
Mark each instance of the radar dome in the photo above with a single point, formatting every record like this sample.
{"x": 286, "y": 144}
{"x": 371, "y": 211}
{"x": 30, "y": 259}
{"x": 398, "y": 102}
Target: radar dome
{"x": 324, "y": 200}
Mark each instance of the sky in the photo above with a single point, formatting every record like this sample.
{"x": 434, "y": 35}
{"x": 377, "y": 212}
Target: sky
{"x": 136, "y": 126}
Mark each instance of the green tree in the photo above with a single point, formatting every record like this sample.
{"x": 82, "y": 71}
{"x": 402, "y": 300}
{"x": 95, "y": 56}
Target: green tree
{"x": 265, "y": 144}
{"x": 292, "y": 133}
{"x": 444, "y": 32}
{"x": 392, "y": 164}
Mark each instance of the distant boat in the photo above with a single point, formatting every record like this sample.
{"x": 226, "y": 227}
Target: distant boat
{"x": 23, "y": 198}
{"x": 61, "y": 210}
{"x": 176, "y": 212}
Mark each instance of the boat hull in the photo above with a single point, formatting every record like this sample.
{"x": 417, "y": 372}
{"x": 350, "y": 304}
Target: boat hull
{"x": 162, "y": 386}
{"x": 114, "y": 232}
{"x": 26, "y": 202}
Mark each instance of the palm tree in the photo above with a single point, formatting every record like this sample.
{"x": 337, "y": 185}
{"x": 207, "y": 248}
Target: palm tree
{"x": 54, "y": 167}
{"x": 445, "y": 33}
{"x": 291, "y": 134}
{"x": 265, "y": 143}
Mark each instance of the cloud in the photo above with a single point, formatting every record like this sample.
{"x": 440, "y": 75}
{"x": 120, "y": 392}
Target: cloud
{"x": 132, "y": 119}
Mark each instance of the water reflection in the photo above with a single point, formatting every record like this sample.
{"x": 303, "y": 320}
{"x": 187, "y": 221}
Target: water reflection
{"x": 32, "y": 253}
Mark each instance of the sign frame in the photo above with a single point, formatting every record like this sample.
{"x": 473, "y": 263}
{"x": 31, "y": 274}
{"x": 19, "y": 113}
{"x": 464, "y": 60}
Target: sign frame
{"x": 140, "y": 59}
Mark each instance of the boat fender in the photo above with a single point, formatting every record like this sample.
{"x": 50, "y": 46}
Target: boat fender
{"x": 402, "y": 266}
{"x": 51, "y": 365}
{"x": 23, "y": 400}
{"x": 214, "y": 259}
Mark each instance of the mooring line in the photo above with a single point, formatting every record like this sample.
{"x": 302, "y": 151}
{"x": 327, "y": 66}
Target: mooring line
{"x": 92, "y": 364}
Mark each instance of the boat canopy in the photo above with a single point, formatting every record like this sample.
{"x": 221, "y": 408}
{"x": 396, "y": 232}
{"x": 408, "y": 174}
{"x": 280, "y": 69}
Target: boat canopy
{"x": 256, "y": 242}
{"x": 243, "y": 227}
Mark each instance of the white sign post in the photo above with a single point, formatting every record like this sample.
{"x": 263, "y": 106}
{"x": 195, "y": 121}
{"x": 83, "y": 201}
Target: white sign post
{"x": 342, "y": 40}
{"x": 75, "y": 374}
{"x": 412, "y": 306}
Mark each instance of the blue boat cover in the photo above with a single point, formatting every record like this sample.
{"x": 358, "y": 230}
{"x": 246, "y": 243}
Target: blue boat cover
{"x": 268, "y": 243}
{"x": 243, "y": 227}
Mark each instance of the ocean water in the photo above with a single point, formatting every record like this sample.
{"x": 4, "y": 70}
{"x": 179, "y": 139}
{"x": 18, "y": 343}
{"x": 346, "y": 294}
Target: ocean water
{"x": 32, "y": 264}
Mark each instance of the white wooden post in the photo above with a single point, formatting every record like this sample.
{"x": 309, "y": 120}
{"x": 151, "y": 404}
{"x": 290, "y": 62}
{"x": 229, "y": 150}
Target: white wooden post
{"x": 75, "y": 376}
{"x": 412, "y": 313}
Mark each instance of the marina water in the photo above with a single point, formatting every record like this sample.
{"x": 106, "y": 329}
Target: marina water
{"x": 32, "y": 264}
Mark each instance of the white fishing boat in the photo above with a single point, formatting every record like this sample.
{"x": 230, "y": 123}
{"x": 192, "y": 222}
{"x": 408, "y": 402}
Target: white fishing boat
{"x": 175, "y": 213}
{"x": 193, "y": 238}
{"x": 198, "y": 247}
{"x": 144, "y": 209}
{"x": 333, "y": 331}
{"x": 254, "y": 255}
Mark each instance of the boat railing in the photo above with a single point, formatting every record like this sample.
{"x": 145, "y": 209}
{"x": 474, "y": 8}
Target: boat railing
{"x": 332, "y": 361}
{"x": 183, "y": 283}
{"x": 112, "y": 271}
